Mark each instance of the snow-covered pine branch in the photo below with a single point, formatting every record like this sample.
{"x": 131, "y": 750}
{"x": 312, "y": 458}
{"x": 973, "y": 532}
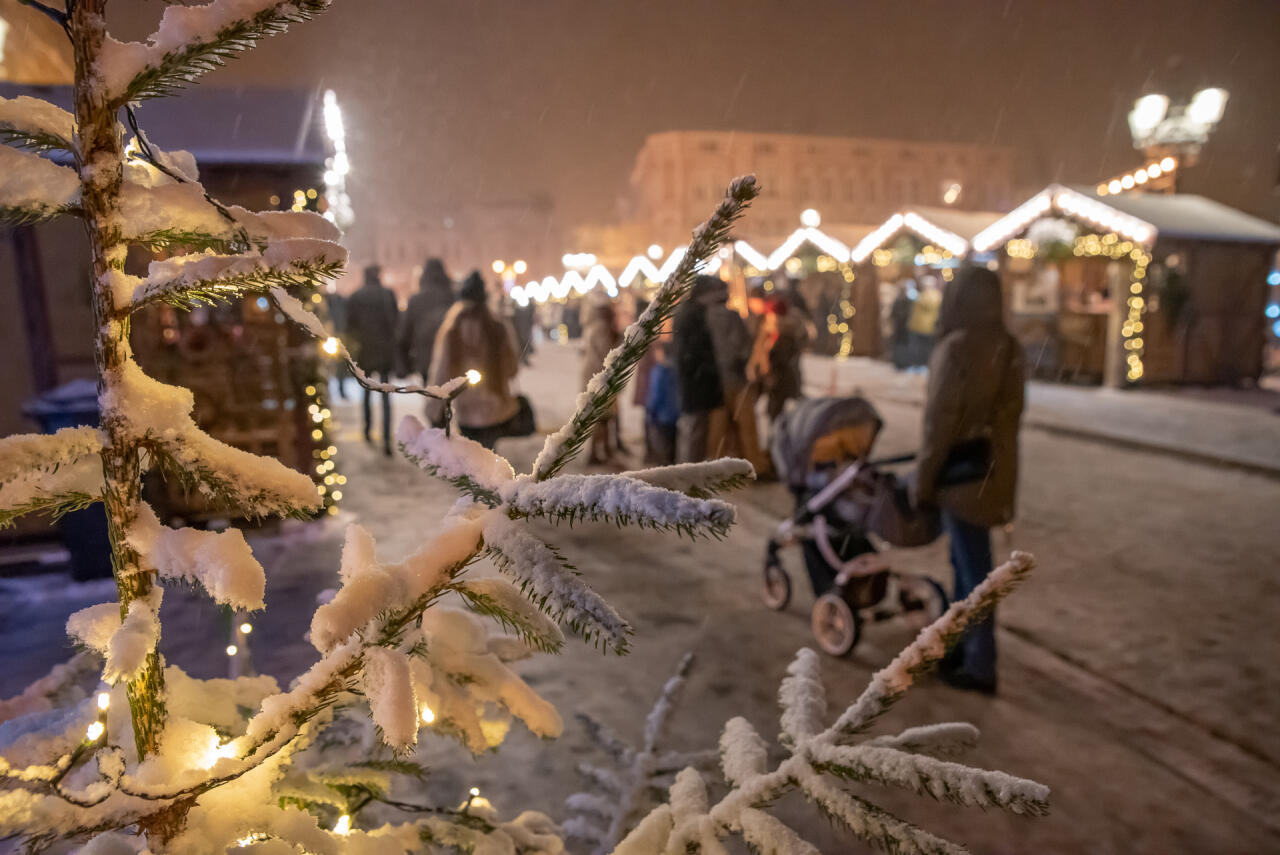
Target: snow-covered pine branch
{"x": 619, "y": 500}
{"x": 219, "y": 561}
{"x": 207, "y": 278}
{"x": 158, "y": 417}
{"x": 471, "y": 468}
{"x": 193, "y": 40}
{"x": 502, "y": 601}
{"x": 701, "y": 480}
{"x": 623, "y": 792}
{"x": 553, "y": 584}
{"x": 36, "y": 124}
{"x": 33, "y": 188}
{"x": 53, "y": 473}
{"x": 596, "y": 402}
{"x": 819, "y": 755}
{"x": 891, "y": 682}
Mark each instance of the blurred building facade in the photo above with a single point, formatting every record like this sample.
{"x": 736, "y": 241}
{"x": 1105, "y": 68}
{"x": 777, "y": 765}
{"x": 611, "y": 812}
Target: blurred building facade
{"x": 33, "y": 49}
{"x": 678, "y": 175}
{"x": 467, "y": 237}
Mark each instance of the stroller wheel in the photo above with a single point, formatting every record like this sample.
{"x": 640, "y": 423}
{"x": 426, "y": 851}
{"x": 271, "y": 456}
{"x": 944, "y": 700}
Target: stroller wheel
{"x": 926, "y": 596}
{"x": 777, "y": 586}
{"x": 836, "y": 627}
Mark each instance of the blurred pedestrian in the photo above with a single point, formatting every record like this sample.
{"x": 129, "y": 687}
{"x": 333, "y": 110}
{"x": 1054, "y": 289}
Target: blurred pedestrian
{"x": 702, "y": 416}
{"x": 599, "y": 336}
{"x": 661, "y": 408}
{"x": 370, "y": 330}
{"x": 472, "y": 337}
{"x": 731, "y": 341}
{"x": 422, "y": 318}
{"x": 780, "y": 341}
{"x": 899, "y": 318}
{"x": 968, "y": 464}
{"x": 522, "y": 322}
{"x": 924, "y": 320}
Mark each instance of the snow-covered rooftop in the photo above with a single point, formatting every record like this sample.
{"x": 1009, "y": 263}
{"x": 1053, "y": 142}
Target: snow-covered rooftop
{"x": 1184, "y": 215}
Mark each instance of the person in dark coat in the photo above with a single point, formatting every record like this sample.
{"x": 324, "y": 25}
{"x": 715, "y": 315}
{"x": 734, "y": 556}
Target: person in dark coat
{"x": 973, "y": 408}
{"x": 422, "y": 318}
{"x": 370, "y": 335}
{"x": 702, "y": 417}
{"x": 899, "y": 335}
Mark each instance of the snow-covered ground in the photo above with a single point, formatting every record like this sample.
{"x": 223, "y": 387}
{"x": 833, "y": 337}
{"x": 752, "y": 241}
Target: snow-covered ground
{"x": 1137, "y": 666}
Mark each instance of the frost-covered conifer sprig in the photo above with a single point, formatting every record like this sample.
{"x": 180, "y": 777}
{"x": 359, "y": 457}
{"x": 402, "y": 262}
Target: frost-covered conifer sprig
{"x": 823, "y": 757}
{"x": 625, "y": 791}
{"x": 596, "y": 402}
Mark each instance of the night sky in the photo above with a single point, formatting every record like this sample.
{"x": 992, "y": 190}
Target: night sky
{"x": 450, "y": 101}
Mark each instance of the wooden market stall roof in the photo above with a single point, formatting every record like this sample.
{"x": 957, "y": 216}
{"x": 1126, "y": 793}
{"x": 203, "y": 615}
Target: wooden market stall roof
{"x": 951, "y": 229}
{"x": 1140, "y": 217}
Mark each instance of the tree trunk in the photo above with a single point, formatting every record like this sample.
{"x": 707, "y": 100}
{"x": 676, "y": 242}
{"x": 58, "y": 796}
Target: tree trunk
{"x": 99, "y": 147}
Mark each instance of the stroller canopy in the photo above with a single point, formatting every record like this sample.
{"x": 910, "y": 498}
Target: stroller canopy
{"x": 799, "y": 427}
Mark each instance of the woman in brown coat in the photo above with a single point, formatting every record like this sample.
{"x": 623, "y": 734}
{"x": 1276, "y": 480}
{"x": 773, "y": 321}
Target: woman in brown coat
{"x": 968, "y": 463}
{"x": 472, "y": 337}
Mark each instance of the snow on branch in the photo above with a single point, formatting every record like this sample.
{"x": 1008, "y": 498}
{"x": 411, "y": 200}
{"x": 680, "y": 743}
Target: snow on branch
{"x": 53, "y": 473}
{"x": 191, "y": 41}
{"x": 31, "y": 453}
{"x": 36, "y": 124}
{"x": 596, "y": 402}
{"x": 158, "y": 416}
{"x": 619, "y": 500}
{"x": 699, "y": 480}
{"x": 820, "y": 756}
{"x": 466, "y": 464}
{"x": 125, "y": 643}
{"x": 552, "y": 583}
{"x": 948, "y": 739}
{"x": 207, "y": 278}
{"x": 33, "y": 189}
{"x": 219, "y": 561}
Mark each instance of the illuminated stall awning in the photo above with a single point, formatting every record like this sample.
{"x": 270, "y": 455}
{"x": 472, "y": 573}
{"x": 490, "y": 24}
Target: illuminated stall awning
{"x": 947, "y": 228}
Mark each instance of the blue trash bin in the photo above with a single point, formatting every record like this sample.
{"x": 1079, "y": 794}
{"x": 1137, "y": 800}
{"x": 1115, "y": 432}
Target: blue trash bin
{"x": 84, "y": 533}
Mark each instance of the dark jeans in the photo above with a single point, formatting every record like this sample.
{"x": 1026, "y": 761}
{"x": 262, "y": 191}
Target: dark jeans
{"x": 381, "y": 377}
{"x": 975, "y": 653}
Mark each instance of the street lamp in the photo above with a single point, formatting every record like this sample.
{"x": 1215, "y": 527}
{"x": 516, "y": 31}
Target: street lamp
{"x": 1169, "y": 131}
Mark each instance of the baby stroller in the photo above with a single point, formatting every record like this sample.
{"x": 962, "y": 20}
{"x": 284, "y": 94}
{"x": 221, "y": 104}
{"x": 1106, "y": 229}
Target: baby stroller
{"x": 821, "y": 448}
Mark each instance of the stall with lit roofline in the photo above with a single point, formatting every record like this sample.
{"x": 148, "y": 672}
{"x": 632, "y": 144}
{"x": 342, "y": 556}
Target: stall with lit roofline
{"x": 1135, "y": 288}
{"x": 915, "y": 252}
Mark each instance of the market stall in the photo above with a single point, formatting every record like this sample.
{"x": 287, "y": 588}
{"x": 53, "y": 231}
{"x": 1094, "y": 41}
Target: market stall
{"x": 902, "y": 267}
{"x": 1137, "y": 288}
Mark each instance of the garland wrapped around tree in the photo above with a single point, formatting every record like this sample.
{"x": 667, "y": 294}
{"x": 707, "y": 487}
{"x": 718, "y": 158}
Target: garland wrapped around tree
{"x": 151, "y": 758}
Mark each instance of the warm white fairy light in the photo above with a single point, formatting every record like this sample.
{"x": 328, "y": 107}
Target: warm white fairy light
{"x": 246, "y": 628}
{"x": 428, "y": 715}
{"x": 330, "y": 346}
{"x": 343, "y": 825}
{"x": 474, "y": 792}
{"x": 950, "y": 241}
{"x": 94, "y": 731}
{"x": 104, "y": 700}
{"x": 232, "y": 650}
{"x": 1013, "y": 222}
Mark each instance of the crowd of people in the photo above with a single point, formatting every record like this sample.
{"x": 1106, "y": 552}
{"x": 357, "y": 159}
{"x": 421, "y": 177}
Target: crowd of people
{"x": 442, "y": 333}
{"x": 713, "y": 377}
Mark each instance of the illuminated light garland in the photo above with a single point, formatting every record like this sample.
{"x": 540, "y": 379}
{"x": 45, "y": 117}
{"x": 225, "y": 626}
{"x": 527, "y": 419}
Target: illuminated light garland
{"x": 1138, "y": 177}
{"x": 877, "y": 238}
{"x": 1065, "y": 201}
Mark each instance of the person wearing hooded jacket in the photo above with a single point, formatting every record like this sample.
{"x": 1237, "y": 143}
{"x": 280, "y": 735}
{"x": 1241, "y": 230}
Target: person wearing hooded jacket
{"x": 473, "y": 337}
{"x": 369, "y": 331}
{"x": 702, "y": 417}
{"x": 973, "y": 410}
{"x": 416, "y": 338}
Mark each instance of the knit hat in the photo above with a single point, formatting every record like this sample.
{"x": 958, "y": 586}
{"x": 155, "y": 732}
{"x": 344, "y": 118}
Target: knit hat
{"x": 472, "y": 288}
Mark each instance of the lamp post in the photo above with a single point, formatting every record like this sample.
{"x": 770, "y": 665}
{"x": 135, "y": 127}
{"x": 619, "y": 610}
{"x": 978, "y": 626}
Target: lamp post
{"x": 1163, "y": 129}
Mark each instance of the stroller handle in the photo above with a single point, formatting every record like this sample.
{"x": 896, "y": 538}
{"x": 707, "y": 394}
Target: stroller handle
{"x": 897, "y": 458}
